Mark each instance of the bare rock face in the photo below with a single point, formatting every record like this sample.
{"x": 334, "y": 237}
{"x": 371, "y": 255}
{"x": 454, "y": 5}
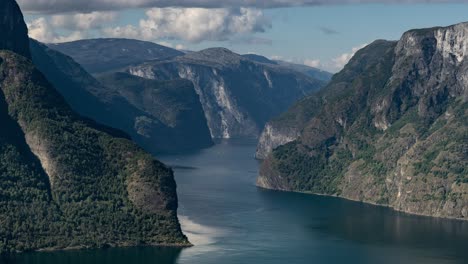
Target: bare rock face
{"x": 273, "y": 137}
{"x": 390, "y": 129}
{"x": 238, "y": 95}
{"x": 13, "y": 30}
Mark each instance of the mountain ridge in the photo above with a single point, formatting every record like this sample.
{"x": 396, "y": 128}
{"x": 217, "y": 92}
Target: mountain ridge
{"x": 390, "y": 129}
{"x": 104, "y": 54}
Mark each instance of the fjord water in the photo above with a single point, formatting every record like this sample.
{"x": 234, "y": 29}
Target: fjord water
{"x": 229, "y": 220}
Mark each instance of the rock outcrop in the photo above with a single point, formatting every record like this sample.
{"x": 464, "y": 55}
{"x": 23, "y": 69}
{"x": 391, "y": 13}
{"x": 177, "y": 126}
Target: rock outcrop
{"x": 390, "y": 128}
{"x": 273, "y": 137}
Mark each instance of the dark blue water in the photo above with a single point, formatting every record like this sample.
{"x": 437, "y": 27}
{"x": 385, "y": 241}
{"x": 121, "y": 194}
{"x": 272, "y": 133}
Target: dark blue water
{"x": 231, "y": 221}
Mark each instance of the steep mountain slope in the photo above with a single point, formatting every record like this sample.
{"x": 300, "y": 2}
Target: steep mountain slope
{"x": 391, "y": 128}
{"x": 173, "y": 118}
{"x": 121, "y": 103}
{"x": 99, "y": 55}
{"x": 68, "y": 182}
{"x": 13, "y": 30}
{"x": 312, "y": 72}
{"x": 238, "y": 95}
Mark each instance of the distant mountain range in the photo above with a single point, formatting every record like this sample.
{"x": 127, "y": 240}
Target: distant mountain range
{"x": 102, "y": 55}
{"x": 391, "y": 129}
{"x": 238, "y": 94}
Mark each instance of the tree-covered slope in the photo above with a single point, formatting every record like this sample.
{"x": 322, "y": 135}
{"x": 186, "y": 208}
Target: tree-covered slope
{"x": 391, "y": 128}
{"x": 68, "y": 182}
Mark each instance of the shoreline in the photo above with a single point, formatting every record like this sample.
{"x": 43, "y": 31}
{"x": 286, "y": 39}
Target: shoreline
{"x": 83, "y": 247}
{"x": 465, "y": 220}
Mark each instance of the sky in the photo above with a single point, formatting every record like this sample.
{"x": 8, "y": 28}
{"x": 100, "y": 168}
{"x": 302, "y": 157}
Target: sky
{"x": 317, "y": 33}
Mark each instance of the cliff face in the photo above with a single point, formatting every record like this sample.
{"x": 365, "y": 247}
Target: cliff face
{"x": 390, "y": 129}
{"x": 238, "y": 95}
{"x": 159, "y": 116}
{"x": 66, "y": 181}
{"x": 13, "y": 30}
{"x": 272, "y": 137}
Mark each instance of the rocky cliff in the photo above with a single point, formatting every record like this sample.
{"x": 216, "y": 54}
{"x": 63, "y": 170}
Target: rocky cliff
{"x": 272, "y": 137}
{"x": 390, "y": 128}
{"x": 68, "y": 182}
{"x": 238, "y": 95}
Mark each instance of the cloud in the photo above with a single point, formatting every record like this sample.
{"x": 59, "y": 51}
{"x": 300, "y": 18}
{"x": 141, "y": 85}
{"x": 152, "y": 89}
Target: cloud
{"x": 193, "y": 24}
{"x": 328, "y": 31}
{"x": 86, "y": 6}
{"x": 87, "y": 21}
{"x": 63, "y": 28}
{"x": 339, "y": 62}
{"x": 312, "y": 63}
{"x": 333, "y": 65}
{"x": 41, "y": 29}
{"x": 180, "y": 47}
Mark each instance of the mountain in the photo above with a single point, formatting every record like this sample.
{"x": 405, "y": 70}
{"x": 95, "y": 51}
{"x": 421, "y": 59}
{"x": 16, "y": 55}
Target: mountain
{"x": 66, "y": 181}
{"x": 390, "y": 129}
{"x": 172, "y": 119}
{"x": 132, "y": 104}
{"x": 259, "y": 58}
{"x": 311, "y": 71}
{"x": 238, "y": 95}
{"x": 99, "y": 55}
{"x": 13, "y": 29}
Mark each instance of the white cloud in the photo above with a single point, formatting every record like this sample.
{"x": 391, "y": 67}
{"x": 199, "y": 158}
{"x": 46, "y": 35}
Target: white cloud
{"x": 85, "y": 6}
{"x": 180, "y": 47}
{"x": 83, "y": 21}
{"x": 193, "y": 24}
{"x": 332, "y": 65}
{"x": 63, "y": 28}
{"x": 312, "y": 63}
{"x": 339, "y": 62}
{"x": 42, "y": 30}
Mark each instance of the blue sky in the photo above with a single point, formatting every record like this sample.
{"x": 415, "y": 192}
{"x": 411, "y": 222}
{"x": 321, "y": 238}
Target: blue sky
{"x": 315, "y": 35}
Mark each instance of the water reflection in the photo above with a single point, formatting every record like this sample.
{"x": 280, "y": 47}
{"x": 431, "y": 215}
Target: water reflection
{"x": 371, "y": 225}
{"x": 143, "y": 255}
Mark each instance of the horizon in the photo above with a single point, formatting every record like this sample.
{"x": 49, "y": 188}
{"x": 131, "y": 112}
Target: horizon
{"x": 334, "y": 31}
